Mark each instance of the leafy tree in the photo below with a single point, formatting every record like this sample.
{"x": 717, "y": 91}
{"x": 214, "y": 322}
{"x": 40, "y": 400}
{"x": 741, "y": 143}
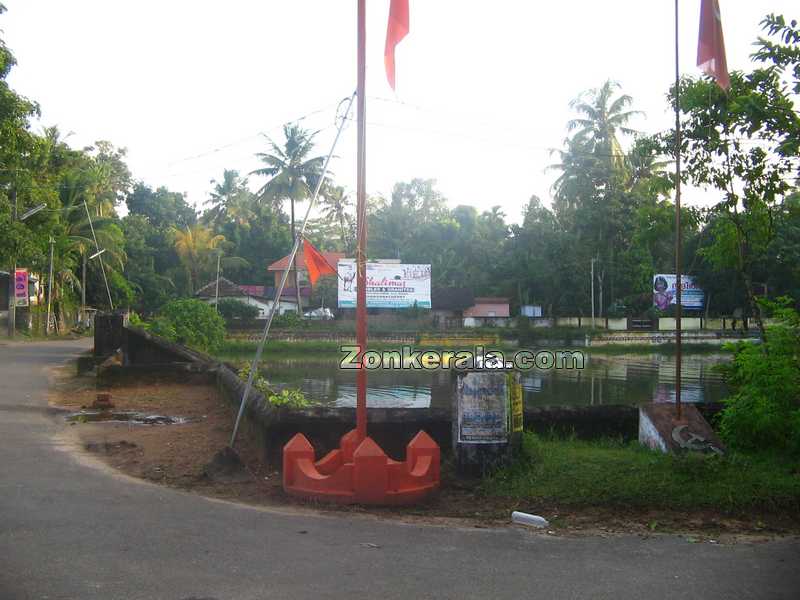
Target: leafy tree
{"x": 190, "y": 322}
{"x": 293, "y": 173}
{"x": 233, "y": 310}
{"x": 162, "y": 207}
{"x": 744, "y": 143}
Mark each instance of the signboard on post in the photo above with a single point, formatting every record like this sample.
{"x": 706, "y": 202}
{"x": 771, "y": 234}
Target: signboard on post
{"x": 665, "y": 292}
{"x": 388, "y": 285}
{"x": 482, "y": 408}
{"x": 21, "y": 293}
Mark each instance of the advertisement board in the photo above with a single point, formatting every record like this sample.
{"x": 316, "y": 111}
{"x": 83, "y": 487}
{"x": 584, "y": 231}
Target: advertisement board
{"x": 21, "y": 294}
{"x": 388, "y": 285}
{"x": 664, "y": 292}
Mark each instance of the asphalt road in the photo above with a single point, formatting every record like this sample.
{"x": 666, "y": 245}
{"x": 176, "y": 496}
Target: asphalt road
{"x": 70, "y": 530}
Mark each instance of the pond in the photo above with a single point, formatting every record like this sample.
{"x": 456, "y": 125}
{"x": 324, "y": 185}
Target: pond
{"x": 605, "y": 379}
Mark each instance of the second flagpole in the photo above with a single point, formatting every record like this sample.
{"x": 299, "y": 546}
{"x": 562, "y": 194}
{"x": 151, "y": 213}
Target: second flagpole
{"x": 361, "y": 235}
{"x": 678, "y": 282}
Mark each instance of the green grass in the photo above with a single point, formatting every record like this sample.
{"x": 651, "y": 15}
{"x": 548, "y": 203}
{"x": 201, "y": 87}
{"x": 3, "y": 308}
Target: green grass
{"x": 610, "y": 472}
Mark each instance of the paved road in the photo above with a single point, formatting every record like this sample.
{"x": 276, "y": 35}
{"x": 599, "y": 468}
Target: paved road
{"x": 70, "y": 531}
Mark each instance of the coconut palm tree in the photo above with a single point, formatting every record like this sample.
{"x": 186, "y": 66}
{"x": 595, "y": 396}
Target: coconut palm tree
{"x": 336, "y": 204}
{"x": 77, "y": 201}
{"x": 230, "y": 201}
{"x": 603, "y": 117}
{"x": 293, "y": 173}
{"x": 195, "y": 245}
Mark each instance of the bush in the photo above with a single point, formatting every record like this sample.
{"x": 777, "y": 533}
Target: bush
{"x": 234, "y": 310}
{"x": 192, "y": 323}
{"x": 764, "y": 411}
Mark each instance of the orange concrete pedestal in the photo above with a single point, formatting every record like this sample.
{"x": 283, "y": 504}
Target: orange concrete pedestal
{"x": 361, "y": 473}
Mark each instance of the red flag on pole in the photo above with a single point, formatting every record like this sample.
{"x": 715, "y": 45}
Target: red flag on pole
{"x": 397, "y": 29}
{"x": 316, "y": 265}
{"x": 711, "y": 45}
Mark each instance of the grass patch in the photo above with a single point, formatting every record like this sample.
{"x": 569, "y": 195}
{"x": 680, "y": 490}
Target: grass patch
{"x": 611, "y": 472}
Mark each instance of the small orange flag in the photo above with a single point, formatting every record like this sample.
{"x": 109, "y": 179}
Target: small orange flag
{"x": 396, "y": 30}
{"x": 316, "y": 265}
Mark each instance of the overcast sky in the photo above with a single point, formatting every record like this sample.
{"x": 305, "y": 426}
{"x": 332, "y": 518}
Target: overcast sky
{"x": 482, "y": 87}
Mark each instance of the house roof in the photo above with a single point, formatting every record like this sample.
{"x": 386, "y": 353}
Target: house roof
{"x": 227, "y": 289}
{"x": 253, "y": 290}
{"x": 491, "y": 300}
{"x": 451, "y": 298}
{"x": 288, "y": 293}
{"x": 332, "y": 257}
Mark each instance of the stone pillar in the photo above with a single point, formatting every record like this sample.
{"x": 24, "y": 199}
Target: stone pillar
{"x": 487, "y": 420}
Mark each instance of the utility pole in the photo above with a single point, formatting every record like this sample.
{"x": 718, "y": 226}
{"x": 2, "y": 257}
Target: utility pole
{"x": 594, "y": 259}
{"x": 216, "y": 291}
{"x": 50, "y": 287}
{"x": 12, "y": 296}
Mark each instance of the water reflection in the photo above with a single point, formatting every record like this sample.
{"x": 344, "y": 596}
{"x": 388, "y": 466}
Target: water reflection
{"x": 606, "y": 379}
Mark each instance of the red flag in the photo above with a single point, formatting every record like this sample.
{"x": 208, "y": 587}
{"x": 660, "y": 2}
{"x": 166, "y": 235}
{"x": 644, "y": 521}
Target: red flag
{"x": 711, "y": 45}
{"x": 396, "y": 31}
{"x": 316, "y": 265}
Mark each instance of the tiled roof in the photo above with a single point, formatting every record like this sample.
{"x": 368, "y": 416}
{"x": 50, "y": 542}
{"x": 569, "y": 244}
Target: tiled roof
{"x": 227, "y": 289}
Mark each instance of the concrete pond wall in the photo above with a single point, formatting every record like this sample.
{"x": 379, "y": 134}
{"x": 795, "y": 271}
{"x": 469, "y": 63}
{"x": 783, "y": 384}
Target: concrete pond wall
{"x": 144, "y": 354}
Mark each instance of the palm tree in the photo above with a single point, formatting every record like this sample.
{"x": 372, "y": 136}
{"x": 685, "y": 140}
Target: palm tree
{"x": 76, "y": 194}
{"x": 194, "y": 246}
{"x": 230, "y": 201}
{"x": 603, "y": 116}
{"x": 336, "y": 204}
{"x": 293, "y": 174}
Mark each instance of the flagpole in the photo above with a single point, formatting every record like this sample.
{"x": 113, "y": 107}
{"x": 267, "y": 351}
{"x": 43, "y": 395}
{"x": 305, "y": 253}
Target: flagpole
{"x": 678, "y": 282}
{"x": 361, "y": 245}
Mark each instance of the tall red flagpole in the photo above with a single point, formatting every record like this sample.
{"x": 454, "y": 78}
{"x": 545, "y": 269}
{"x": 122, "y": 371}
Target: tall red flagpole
{"x": 361, "y": 242}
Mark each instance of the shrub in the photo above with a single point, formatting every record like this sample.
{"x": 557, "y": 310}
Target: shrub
{"x": 287, "y": 397}
{"x": 234, "y": 310}
{"x": 190, "y": 322}
{"x": 764, "y": 411}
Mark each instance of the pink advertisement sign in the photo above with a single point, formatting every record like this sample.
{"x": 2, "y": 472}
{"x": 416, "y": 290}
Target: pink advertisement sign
{"x": 21, "y": 293}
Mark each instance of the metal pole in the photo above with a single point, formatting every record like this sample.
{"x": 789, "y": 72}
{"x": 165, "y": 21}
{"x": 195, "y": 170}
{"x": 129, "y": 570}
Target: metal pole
{"x": 50, "y": 287}
{"x": 12, "y": 292}
{"x": 678, "y": 282}
{"x": 276, "y": 301}
{"x": 97, "y": 249}
{"x": 593, "y": 293}
{"x": 216, "y": 290}
{"x": 361, "y": 244}
{"x": 296, "y": 274}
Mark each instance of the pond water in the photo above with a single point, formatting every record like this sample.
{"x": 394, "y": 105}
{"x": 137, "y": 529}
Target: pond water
{"x": 605, "y": 379}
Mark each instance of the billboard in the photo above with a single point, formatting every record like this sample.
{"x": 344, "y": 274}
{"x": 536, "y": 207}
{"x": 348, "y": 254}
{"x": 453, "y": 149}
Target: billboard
{"x": 388, "y": 285}
{"x": 664, "y": 292}
{"x": 21, "y": 294}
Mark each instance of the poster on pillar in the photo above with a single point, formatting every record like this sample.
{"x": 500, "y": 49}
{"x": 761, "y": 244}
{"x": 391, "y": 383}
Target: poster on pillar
{"x": 665, "y": 292}
{"x": 483, "y": 407}
{"x": 21, "y": 294}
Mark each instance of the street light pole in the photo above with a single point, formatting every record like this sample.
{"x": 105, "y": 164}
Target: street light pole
{"x": 12, "y": 296}
{"x": 50, "y": 287}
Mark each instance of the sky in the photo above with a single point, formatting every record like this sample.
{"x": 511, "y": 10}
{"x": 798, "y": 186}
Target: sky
{"x": 483, "y": 88}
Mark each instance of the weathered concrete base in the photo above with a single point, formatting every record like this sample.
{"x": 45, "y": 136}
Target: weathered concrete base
{"x": 661, "y": 429}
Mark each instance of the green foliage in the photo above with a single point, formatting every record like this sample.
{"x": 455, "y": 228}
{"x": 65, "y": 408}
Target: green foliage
{"x": 190, "y": 322}
{"x": 286, "y": 398}
{"x": 289, "y": 320}
{"x": 764, "y": 411}
{"x": 234, "y": 310}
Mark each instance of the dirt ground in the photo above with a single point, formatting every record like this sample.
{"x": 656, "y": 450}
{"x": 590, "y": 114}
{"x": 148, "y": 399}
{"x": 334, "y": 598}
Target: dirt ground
{"x": 175, "y": 455}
